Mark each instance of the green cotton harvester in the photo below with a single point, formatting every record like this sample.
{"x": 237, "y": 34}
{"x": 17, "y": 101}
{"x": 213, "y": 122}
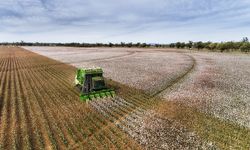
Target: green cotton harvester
{"x": 91, "y": 83}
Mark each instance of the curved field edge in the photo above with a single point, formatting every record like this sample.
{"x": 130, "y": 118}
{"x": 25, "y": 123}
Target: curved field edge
{"x": 177, "y": 78}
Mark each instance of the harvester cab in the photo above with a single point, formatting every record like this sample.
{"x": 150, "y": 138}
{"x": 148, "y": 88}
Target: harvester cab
{"x": 91, "y": 83}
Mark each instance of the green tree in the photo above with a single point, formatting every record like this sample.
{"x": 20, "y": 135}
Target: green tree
{"x": 178, "y": 45}
{"x": 123, "y": 44}
{"x": 111, "y": 44}
{"x": 237, "y": 45}
{"x": 206, "y": 45}
{"x": 130, "y": 44}
{"x": 199, "y": 45}
{"x": 223, "y": 46}
{"x": 189, "y": 44}
{"x": 245, "y": 47}
{"x": 172, "y": 45}
{"x": 182, "y": 45}
{"x": 212, "y": 46}
{"x": 245, "y": 39}
{"x": 220, "y": 46}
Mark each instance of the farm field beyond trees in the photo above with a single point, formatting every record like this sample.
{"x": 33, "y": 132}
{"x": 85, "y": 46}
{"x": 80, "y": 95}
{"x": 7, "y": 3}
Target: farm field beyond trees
{"x": 166, "y": 99}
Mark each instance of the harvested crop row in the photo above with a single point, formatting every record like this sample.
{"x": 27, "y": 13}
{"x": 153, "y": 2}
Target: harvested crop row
{"x": 41, "y": 109}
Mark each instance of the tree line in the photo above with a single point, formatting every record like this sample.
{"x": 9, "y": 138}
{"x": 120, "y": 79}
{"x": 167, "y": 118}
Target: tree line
{"x": 74, "y": 44}
{"x": 243, "y": 45}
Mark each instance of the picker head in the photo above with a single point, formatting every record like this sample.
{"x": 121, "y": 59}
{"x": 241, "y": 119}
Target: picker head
{"x": 91, "y": 83}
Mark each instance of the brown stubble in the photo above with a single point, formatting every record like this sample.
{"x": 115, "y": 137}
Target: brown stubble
{"x": 41, "y": 109}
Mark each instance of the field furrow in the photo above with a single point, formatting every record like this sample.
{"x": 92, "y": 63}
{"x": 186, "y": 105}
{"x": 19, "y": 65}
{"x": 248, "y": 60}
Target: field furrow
{"x": 29, "y": 127}
{"x": 13, "y": 129}
{"x": 41, "y": 97}
{"x": 2, "y": 86}
{"x": 40, "y": 109}
{"x": 42, "y": 136}
{"x": 5, "y": 111}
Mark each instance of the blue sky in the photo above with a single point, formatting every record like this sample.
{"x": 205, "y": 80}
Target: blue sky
{"x": 151, "y": 21}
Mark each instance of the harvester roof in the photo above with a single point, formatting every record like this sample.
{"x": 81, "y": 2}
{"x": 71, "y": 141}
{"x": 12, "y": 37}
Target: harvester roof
{"x": 92, "y": 70}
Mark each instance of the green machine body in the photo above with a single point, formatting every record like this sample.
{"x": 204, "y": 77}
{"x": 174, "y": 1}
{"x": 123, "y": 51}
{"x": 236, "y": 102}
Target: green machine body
{"x": 91, "y": 83}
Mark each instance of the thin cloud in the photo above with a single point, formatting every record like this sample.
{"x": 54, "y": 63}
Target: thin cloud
{"x": 115, "y": 21}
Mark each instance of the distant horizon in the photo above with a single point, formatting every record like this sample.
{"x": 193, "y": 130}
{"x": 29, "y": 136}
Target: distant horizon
{"x": 144, "y": 21}
{"x": 120, "y": 42}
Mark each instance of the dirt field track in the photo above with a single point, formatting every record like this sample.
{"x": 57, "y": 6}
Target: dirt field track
{"x": 40, "y": 108}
